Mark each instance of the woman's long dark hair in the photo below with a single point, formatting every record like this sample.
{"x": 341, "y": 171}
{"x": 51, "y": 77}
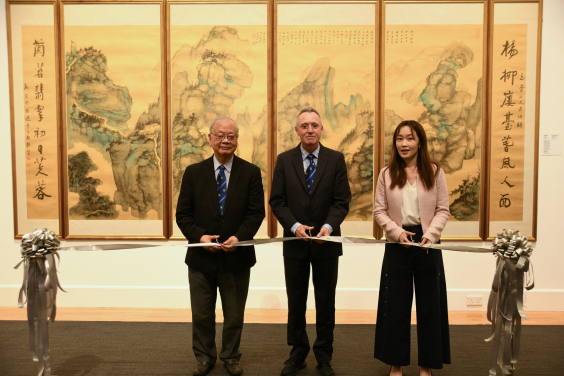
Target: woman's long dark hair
{"x": 424, "y": 161}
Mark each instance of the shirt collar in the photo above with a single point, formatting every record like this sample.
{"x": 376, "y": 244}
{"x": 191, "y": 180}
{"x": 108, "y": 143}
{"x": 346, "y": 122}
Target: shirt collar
{"x": 227, "y": 165}
{"x": 306, "y": 153}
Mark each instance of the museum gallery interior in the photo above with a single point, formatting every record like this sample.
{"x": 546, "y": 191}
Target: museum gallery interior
{"x": 162, "y": 158}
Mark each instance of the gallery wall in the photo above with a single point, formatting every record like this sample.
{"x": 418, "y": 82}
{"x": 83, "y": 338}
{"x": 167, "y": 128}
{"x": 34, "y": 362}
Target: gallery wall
{"x": 157, "y": 277}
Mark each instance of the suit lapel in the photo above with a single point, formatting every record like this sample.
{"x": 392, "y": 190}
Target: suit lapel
{"x": 298, "y": 163}
{"x": 233, "y": 179}
{"x": 322, "y": 162}
{"x": 209, "y": 176}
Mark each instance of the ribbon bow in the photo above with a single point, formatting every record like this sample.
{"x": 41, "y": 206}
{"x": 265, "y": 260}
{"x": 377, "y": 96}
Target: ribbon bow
{"x": 40, "y": 286}
{"x": 505, "y": 305}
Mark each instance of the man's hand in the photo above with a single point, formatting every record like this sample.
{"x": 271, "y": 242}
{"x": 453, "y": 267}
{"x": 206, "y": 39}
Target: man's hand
{"x": 229, "y": 248}
{"x": 210, "y": 239}
{"x": 301, "y": 231}
{"x": 404, "y": 239}
{"x": 323, "y": 232}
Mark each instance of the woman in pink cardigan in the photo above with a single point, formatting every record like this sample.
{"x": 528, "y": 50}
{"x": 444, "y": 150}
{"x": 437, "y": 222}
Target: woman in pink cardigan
{"x": 411, "y": 205}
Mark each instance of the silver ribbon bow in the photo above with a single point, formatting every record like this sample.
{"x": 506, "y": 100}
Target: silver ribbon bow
{"x": 505, "y": 305}
{"x": 40, "y": 285}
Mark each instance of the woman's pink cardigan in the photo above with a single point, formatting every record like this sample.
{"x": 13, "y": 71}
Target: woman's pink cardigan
{"x": 433, "y": 207}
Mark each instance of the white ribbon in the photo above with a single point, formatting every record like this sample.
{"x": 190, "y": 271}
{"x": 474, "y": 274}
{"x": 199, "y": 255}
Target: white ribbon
{"x": 334, "y": 239}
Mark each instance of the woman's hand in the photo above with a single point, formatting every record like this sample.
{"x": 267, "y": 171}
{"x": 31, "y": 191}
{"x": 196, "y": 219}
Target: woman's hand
{"x": 425, "y": 241}
{"x": 403, "y": 238}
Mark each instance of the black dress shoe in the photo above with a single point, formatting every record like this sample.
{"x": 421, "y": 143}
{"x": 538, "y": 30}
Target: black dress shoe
{"x": 291, "y": 367}
{"x": 203, "y": 368}
{"x": 325, "y": 368}
{"x": 234, "y": 368}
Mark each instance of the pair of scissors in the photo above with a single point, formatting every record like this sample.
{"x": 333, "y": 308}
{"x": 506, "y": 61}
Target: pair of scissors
{"x": 411, "y": 238}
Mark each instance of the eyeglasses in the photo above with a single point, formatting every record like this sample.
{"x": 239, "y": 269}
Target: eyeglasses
{"x": 230, "y": 138}
{"x": 305, "y": 127}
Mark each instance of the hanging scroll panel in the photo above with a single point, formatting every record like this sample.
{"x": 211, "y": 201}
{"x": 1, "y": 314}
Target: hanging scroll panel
{"x": 434, "y": 68}
{"x": 326, "y": 59}
{"x": 514, "y": 118}
{"x": 34, "y": 102}
{"x": 219, "y": 67}
{"x": 113, "y": 114}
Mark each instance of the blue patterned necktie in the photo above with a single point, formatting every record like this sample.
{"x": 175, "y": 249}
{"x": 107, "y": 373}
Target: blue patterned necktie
{"x": 310, "y": 173}
{"x": 221, "y": 187}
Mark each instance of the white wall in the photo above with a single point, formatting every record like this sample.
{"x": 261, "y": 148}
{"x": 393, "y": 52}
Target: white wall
{"x": 158, "y": 277}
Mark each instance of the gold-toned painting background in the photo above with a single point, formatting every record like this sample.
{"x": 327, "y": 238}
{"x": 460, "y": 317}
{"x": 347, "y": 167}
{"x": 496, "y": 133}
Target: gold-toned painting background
{"x": 332, "y": 68}
{"x": 218, "y": 71}
{"x": 152, "y": 105}
{"x": 433, "y": 74}
{"x": 114, "y": 115}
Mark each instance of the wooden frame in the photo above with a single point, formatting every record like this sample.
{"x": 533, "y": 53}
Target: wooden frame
{"x": 142, "y": 234}
{"x": 236, "y": 15}
{"x": 479, "y": 235}
{"x": 21, "y": 228}
{"x": 372, "y": 97}
{"x": 531, "y": 140}
{"x": 485, "y": 225}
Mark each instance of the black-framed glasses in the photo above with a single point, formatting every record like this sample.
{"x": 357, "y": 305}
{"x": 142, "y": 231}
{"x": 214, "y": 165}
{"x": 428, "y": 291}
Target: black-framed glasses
{"x": 229, "y": 138}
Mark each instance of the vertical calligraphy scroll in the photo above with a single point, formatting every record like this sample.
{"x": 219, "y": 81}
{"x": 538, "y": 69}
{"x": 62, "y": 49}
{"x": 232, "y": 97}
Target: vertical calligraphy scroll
{"x": 508, "y": 95}
{"x": 113, "y": 114}
{"x": 40, "y": 116}
{"x": 218, "y": 67}
{"x": 326, "y": 58}
{"x": 513, "y": 117}
{"x": 34, "y": 116}
{"x": 434, "y": 66}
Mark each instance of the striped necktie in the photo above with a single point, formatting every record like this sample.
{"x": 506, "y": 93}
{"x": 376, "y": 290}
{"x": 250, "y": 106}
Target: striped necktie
{"x": 310, "y": 173}
{"x": 221, "y": 187}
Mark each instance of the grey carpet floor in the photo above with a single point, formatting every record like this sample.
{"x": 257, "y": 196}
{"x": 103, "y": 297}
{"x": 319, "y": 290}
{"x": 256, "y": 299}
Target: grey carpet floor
{"x": 125, "y": 348}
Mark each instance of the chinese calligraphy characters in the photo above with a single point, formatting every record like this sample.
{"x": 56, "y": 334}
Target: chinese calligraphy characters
{"x": 40, "y": 122}
{"x": 508, "y": 123}
{"x": 306, "y": 35}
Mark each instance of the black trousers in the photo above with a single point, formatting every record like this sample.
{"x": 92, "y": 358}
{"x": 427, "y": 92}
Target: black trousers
{"x": 401, "y": 270}
{"x": 324, "y": 276}
{"x": 233, "y": 289}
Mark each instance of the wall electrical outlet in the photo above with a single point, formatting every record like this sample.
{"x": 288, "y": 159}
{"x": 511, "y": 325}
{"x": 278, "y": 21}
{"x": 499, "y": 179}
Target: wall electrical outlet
{"x": 474, "y": 300}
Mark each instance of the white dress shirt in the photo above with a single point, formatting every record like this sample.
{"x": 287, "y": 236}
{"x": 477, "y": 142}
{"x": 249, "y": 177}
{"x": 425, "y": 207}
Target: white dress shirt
{"x": 306, "y": 162}
{"x": 410, "y": 205}
{"x": 227, "y": 170}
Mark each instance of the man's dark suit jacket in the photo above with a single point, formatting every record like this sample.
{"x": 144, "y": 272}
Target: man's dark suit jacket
{"x": 329, "y": 201}
{"x": 197, "y": 213}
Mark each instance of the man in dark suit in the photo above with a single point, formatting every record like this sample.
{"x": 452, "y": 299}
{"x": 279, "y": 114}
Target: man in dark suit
{"x": 310, "y": 193}
{"x": 221, "y": 200}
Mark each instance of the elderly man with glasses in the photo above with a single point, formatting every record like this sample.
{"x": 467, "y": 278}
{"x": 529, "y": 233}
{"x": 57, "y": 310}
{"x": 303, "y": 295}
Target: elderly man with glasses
{"x": 221, "y": 201}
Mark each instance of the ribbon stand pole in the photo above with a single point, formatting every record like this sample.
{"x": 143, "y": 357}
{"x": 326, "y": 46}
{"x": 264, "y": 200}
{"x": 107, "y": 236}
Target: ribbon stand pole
{"x": 505, "y": 305}
{"x": 40, "y": 286}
